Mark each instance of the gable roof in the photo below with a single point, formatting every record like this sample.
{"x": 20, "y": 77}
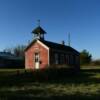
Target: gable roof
{"x": 58, "y": 46}
{"x": 53, "y": 45}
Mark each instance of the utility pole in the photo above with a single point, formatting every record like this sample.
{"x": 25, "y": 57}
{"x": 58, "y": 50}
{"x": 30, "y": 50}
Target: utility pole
{"x": 69, "y": 41}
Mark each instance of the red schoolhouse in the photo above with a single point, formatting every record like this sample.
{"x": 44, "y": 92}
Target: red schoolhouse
{"x": 41, "y": 53}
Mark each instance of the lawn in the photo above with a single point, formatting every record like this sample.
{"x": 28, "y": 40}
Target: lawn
{"x": 21, "y": 85}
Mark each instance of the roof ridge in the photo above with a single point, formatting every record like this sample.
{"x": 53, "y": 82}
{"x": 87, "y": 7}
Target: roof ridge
{"x": 58, "y": 44}
{"x": 54, "y": 45}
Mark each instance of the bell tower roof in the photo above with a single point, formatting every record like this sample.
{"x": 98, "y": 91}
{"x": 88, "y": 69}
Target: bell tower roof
{"x": 38, "y": 30}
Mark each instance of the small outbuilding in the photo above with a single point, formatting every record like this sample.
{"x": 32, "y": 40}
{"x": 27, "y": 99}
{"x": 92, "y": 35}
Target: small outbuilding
{"x": 8, "y": 60}
{"x": 41, "y": 53}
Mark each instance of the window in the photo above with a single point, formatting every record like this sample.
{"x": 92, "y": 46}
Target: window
{"x": 77, "y": 60}
{"x": 71, "y": 59}
{"x": 56, "y": 58}
{"x": 62, "y": 59}
{"x": 67, "y": 59}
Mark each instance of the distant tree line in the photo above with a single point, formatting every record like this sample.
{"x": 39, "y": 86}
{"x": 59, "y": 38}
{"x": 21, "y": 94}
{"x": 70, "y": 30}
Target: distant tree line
{"x": 95, "y": 62}
{"x": 18, "y": 51}
{"x": 86, "y": 59}
{"x": 13, "y": 57}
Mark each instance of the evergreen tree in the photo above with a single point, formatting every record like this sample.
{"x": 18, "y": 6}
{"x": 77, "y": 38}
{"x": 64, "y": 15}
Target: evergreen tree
{"x": 85, "y": 57}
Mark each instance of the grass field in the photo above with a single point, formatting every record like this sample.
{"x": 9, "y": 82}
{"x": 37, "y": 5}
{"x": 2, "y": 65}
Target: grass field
{"x": 20, "y": 85}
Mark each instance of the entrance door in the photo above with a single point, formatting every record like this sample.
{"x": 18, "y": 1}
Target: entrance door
{"x": 37, "y": 63}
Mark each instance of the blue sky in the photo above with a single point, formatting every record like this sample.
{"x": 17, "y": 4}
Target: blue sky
{"x": 58, "y": 17}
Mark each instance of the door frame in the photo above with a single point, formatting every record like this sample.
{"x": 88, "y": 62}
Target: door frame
{"x": 36, "y": 60}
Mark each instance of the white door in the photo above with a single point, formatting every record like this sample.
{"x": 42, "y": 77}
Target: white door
{"x": 37, "y": 63}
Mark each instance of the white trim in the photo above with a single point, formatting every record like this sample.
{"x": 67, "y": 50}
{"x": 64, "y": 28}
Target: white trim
{"x": 48, "y": 58}
{"x": 43, "y": 44}
{"x": 46, "y": 48}
{"x": 36, "y": 63}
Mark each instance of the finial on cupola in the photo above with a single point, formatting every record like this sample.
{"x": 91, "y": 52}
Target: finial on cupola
{"x": 38, "y": 22}
{"x": 39, "y": 32}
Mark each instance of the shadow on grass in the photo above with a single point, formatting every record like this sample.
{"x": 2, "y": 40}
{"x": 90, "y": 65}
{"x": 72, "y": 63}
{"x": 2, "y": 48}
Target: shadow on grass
{"x": 91, "y": 70}
{"x": 41, "y": 95}
{"x": 63, "y": 76}
{"x": 19, "y": 79}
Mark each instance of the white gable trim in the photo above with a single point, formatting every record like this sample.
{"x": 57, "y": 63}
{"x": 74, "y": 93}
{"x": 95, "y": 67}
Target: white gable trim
{"x": 46, "y": 48}
{"x": 43, "y": 44}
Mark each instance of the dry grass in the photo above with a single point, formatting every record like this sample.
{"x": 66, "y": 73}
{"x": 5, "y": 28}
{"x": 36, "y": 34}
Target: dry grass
{"x": 23, "y": 86}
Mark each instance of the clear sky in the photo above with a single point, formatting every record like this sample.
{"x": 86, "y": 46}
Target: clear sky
{"x": 58, "y": 17}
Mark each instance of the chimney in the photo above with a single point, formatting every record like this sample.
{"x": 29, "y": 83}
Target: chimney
{"x": 63, "y": 42}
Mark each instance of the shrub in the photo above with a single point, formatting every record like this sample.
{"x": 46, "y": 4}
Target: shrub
{"x": 96, "y": 62}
